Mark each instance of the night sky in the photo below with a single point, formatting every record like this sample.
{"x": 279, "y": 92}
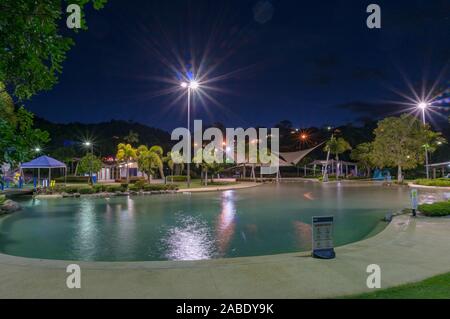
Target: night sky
{"x": 311, "y": 62}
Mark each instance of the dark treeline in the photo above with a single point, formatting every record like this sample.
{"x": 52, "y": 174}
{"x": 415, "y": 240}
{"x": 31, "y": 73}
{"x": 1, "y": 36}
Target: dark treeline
{"x": 67, "y": 139}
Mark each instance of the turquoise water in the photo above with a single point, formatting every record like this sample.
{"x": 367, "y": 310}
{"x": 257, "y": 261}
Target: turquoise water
{"x": 269, "y": 219}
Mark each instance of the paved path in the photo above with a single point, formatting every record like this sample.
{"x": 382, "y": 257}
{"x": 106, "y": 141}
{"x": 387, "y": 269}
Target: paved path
{"x": 407, "y": 250}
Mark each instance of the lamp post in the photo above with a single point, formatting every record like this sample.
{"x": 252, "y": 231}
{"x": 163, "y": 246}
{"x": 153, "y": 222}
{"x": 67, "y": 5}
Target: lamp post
{"x": 192, "y": 85}
{"x": 423, "y": 106}
{"x": 89, "y": 144}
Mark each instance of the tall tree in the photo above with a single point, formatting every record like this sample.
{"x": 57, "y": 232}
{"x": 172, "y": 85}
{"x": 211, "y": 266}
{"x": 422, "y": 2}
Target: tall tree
{"x": 149, "y": 160}
{"x": 126, "y": 153}
{"x": 363, "y": 155}
{"x": 89, "y": 164}
{"x": 33, "y": 47}
{"x": 400, "y": 142}
{"x": 18, "y": 138}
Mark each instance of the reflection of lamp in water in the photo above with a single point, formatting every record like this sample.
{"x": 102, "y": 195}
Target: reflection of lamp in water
{"x": 188, "y": 240}
{"x": 226, "y": 221}
{"x": 86, "y": 236}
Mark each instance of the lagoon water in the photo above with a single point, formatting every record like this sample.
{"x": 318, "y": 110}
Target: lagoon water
{"x": 268, "y": 219}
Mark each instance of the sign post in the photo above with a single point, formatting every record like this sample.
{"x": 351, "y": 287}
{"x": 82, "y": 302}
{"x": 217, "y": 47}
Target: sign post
{"x": 323, "y": 237}
{"x": 414, "y": 201}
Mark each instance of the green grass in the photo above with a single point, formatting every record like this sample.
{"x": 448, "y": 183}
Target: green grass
{"x": 437, "y": 287}
{"x": 436, "y": 209}
{"x": 196, "y": 183}
{"x": 440, "y": 182}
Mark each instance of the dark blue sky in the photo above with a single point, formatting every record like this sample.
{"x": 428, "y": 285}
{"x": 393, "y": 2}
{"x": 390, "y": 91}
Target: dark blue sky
{"x": 311, "y": 62}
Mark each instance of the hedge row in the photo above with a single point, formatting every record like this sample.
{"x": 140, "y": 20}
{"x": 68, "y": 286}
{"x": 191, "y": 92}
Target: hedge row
{"x": 440, "y": 182}
{"x": 435, "y": 209}
{"x": 100, "y": 188}
{"x": 73, "y": 179}
{"x": 153, "y": 187}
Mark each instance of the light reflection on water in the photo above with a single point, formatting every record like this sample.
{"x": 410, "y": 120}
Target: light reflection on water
{"x": 226, "y": 223}
{"x": 85, "y": 238}
{"x": 190, "y": 239}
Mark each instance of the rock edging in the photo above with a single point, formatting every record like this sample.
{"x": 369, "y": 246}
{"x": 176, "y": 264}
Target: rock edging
{"x": 9, "y": 207}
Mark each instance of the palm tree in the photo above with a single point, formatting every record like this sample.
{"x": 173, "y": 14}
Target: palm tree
{"x": 149, "y": 160}
{"x": 125, "y": 152}
{"x": 336, "y": 146}
{"x": 158, "y": 150}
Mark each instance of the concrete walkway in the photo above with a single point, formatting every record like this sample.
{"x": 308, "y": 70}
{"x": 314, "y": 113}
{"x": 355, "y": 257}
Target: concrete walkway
{"x": 407, "y": 250}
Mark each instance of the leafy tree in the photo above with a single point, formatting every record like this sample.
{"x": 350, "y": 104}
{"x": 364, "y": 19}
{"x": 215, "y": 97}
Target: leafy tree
{"x": 132, "y": 137}
{"x": 7, "y": 106}
{"x": 174, "y": 160}
{"x": 126, "y": 153}
{"x": 18, "y": 138}
{"x": 337, "y": 146}
{"x": 208, "y": 165}
{"x": 400, "y": 142}
{"x": 149, "y": 160}
{"x": 89, "y": 164}
{"x": 363, "y": 155}
{"x": 33, "y": 48}
{"x": 65, "y": 154}
{"x": 158, "y": 150}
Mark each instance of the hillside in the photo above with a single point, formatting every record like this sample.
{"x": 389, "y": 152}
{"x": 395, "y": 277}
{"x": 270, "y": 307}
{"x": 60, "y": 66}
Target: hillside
{"x": 105, "y": 135}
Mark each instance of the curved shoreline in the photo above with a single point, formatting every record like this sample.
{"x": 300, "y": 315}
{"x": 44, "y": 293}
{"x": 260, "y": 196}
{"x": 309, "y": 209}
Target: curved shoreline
{"x": 437, "y": 188}
{"x": 407, "y": 250}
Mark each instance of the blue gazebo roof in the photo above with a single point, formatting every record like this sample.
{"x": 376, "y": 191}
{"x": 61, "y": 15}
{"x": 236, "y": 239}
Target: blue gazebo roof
{"x": 43, "y": 162}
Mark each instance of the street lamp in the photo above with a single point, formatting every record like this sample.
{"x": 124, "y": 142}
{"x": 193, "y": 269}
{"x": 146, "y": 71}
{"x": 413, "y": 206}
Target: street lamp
{"x": 423, "y": 106}
{"x": 190, "y": 86}
{"x": 37, "y": 149}
{"x": 89, "y": 144}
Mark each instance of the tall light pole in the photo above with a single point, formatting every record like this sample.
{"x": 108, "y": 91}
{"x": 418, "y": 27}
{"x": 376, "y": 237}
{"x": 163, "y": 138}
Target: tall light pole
{"x": 89, "y": 144}
{"x": 192, "y": 85}
{"x": 422, "y": 106}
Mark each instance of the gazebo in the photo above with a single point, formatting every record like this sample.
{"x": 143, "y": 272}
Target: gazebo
{"x": 44, "y": 162}
{"x": 439, "y": 166}
{"x": 334, "y": 166}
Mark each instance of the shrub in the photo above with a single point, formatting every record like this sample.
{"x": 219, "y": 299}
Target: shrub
{"x": 139, "y": 184}
{"x": 70, "y": 189}
{"x": 134, "y": 188}
{"x": 98, "y": 188}
{"x": 440, "y": 182}
{"x": 73, "y": 179}
{"x": 133, "y": 179}
{"x": 124, "y": 186}
{"x": 2, "y": 199}
{"x": 86, "y": 190}
{"x": 114, "y": 188}
{"x": 159, "y": 187}
{"x": 177, "y": 178}
{"x": 435, "y": 209}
